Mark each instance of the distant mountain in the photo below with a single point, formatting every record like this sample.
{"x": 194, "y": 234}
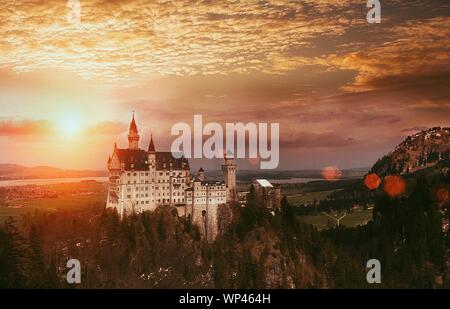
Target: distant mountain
{"x": 248, "y": 175}
{"x": 416, "y": 152}
{"x": 14, "y": 171}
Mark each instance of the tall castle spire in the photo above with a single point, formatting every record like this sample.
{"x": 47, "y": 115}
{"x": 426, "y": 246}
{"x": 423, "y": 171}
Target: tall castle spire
{"x": 151, "y": 147}
{"x": 133, "y": 135}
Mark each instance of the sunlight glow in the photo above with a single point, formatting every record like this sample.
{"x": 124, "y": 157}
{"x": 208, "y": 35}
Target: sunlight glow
{"x": 70, "y": 124}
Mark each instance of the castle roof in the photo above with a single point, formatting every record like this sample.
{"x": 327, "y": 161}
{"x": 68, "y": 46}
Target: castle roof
{"x": 164, "y": 159}
{"x": 213, "y": 182}
{"x": 133, "y": 126}
{"x": 137, "y": 159}
{"x": 264, "y": 183}
{"x": 151, "y": 146}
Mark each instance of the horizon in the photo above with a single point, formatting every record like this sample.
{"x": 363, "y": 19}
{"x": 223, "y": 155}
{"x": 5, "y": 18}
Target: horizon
{"x": 192, "y": 169}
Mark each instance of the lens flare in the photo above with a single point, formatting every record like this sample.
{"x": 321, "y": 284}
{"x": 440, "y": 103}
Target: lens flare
{"x": 331, "y": 173}
{"x": 372, "y": 181}
{"x": 442, "y": 195}
{"x": 394, "y": 185}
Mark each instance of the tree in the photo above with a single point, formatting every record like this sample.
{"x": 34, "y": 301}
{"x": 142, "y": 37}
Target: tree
{"x": 36, "y": 267}
{"x": 287, "y": 210}
{"x": 13, "y": 273}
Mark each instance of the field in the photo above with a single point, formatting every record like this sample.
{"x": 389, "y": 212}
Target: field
{"x": 68, "y": 196}
{"x": 357, "y": 217}
{"x": 309, "y": 197}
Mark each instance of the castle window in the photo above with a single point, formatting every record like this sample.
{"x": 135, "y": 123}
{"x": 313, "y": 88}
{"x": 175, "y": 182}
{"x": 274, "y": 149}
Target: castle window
{"x": 134, "y": 174}
{"x": 128, "y": 196}
{"x": 128, "y": 174}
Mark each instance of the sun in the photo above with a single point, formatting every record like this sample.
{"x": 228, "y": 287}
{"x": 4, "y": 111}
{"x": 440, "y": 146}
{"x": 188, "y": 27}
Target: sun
{"x": 70, "y": 124}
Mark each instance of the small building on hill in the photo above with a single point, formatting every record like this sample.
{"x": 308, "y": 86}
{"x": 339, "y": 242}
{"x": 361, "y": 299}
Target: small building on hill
{"x": 270, "y": 194}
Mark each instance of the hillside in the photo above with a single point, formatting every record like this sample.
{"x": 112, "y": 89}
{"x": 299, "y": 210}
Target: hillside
{"x": 416, "y": 152}
{"x": 14, "y": 171}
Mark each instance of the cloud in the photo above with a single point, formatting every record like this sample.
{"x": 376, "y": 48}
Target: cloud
{"x": 121, "y": 40}
{"x": 106, "y": 128}
{"x": 11, "y": 128}
{"x": 414, "y": 54}
{"x": 315, "y": 140}
{"x": 30, "y": 127}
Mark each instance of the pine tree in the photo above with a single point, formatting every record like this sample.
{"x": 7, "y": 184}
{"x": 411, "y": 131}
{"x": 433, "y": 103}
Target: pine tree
{"x": 36, "y": 266}
{"x": 13, "y": 273}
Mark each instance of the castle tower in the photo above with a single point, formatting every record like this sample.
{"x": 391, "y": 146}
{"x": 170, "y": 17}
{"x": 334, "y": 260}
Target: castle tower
{"x": 151, "y": 153}
{"x": 201, "y": 174}
{"x": 229, "y": 173}
{"x": 133, "y": 135}
{"x": 151, "y": 161}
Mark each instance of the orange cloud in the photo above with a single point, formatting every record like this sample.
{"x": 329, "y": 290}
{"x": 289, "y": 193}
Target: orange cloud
{"x": 25, "y": 127}
{"x": 412, "y": 49}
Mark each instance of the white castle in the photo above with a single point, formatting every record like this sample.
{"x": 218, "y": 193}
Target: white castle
{"x": 142, "y": 180}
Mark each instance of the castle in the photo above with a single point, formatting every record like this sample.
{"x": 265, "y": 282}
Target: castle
{"x": 141, "y": 180}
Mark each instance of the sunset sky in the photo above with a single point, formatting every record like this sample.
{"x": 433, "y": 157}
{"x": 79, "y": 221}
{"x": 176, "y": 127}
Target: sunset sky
{"x": 344, "y": 91}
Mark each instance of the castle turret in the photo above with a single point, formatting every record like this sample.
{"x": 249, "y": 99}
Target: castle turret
{"x": 229, "y": 174}
{"x": 151, "y": 153}
{"x": 201, "y": 174}
{"x": 114, "y": 161}
{"x": 133, "y": 135}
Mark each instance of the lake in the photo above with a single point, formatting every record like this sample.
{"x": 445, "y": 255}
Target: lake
{"x": 293, "y": 180}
